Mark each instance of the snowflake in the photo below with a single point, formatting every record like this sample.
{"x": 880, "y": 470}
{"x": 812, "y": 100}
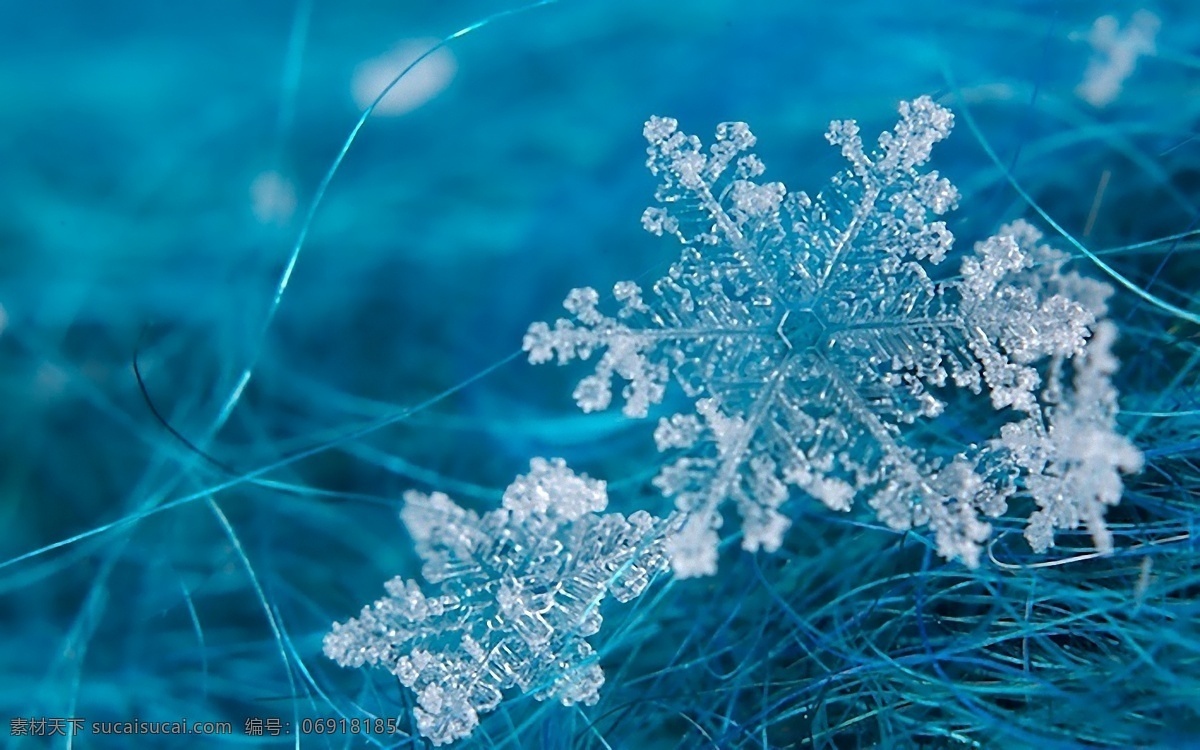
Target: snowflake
{"x": 815, "y": 340}
{"x": 1073, "y": 456}
{"x": 1115, "y": 55}
{"x": 518, "y": 591}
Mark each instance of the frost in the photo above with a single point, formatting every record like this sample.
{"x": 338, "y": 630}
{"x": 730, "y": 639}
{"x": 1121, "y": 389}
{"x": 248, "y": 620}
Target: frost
{"x": 815, "y": 340}
{"x": 516, "y": 592}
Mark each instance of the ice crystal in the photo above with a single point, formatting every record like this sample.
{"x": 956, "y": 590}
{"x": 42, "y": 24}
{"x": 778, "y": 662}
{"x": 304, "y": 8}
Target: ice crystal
{"x": 517, "y": 593}
{"x": 814, "y": 338}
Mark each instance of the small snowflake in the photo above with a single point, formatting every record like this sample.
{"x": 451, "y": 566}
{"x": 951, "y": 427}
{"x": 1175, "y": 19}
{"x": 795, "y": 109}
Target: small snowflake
{"x": 517, "y": 594}
{"x": 1074, "y": 458}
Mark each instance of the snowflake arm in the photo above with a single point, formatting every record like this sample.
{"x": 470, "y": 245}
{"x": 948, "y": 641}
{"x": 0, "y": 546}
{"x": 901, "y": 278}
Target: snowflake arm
{"x": 1016, "y": 314}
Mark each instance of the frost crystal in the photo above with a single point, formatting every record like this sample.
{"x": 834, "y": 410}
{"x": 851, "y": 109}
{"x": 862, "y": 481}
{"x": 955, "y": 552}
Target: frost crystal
{"x": 815, "y": 339}
{"x": 518, "y": 591}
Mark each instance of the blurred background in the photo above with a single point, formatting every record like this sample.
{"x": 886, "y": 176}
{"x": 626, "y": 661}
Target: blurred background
{"x": 165, "y": 552}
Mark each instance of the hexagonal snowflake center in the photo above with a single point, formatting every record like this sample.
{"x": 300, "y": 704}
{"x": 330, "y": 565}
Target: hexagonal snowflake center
{"x": 801, "y": 329}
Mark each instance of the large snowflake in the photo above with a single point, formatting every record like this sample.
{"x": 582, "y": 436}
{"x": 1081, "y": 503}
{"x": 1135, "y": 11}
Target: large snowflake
{"x": 815, "y": 339}
{"x": 517, "y": 593}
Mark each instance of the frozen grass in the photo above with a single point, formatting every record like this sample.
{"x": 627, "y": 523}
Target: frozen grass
{"x": 141, "y": 579}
